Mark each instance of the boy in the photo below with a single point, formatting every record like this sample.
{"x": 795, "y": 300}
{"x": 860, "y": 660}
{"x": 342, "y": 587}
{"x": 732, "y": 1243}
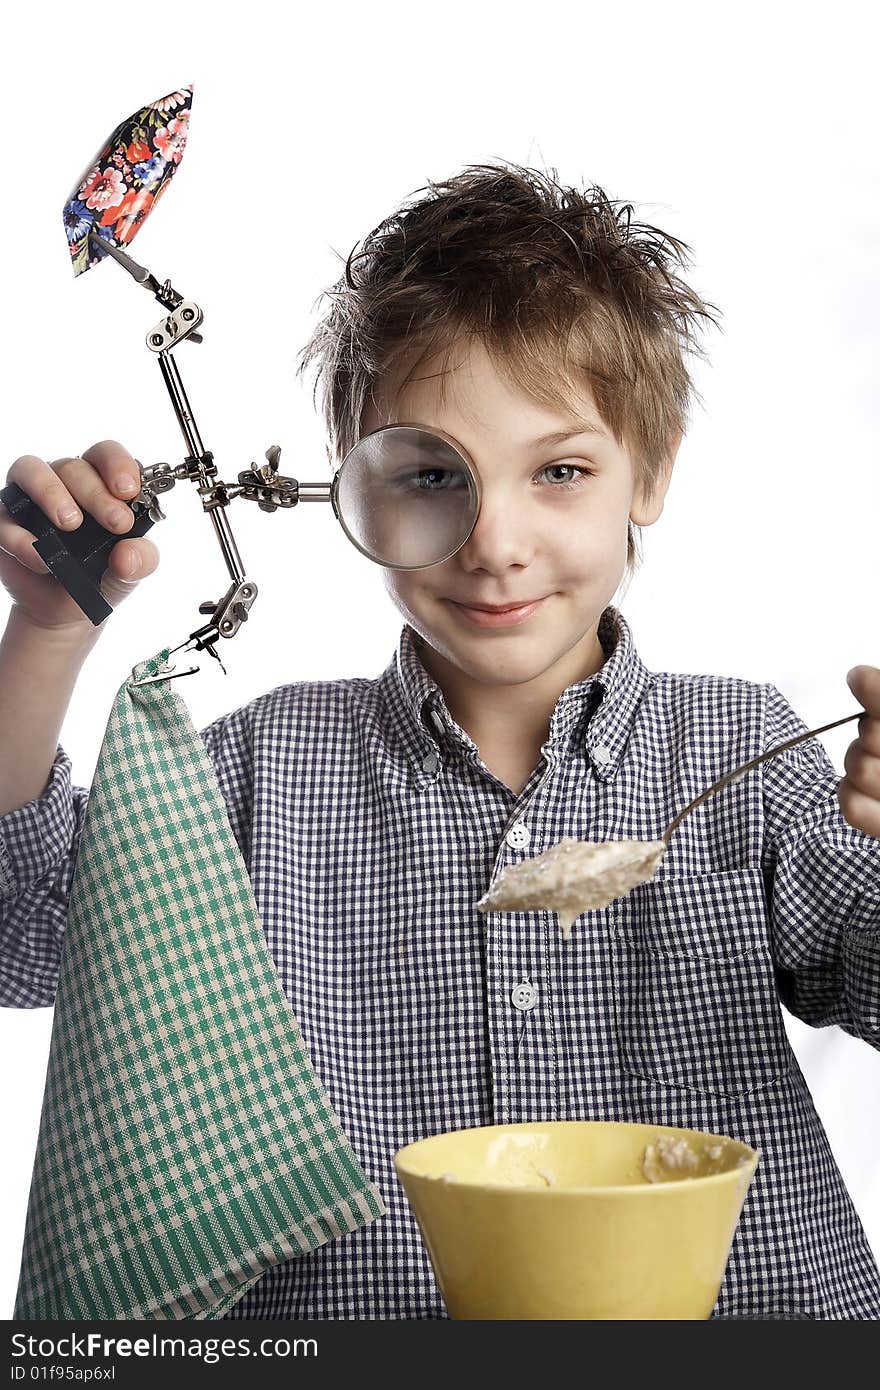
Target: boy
{"x": 542, "y": 331}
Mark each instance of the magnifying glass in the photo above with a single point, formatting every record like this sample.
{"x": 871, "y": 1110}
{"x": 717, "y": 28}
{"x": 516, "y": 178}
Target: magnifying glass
{"x": 406, "y": 496}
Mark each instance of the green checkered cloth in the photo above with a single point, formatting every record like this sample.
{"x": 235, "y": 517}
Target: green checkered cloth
{"x": 186, "y": 1144}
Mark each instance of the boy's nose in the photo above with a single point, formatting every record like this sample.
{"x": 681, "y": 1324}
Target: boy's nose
{"x": 501, "y": 536}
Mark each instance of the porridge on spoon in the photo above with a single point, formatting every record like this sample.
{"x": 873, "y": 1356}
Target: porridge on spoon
{"x": 574, "y": 876}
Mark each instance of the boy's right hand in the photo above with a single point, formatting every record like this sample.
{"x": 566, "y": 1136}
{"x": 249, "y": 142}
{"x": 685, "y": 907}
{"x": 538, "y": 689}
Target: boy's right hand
{"x": 95, "y": 483}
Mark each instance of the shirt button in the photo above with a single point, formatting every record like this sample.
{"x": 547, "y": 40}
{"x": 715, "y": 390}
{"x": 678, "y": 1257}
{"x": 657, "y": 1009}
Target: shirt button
{"x": 431, "y": 761}
{"x": 523, "y": 996}
{"x": 518, "y": 835}
{"x": 602, "y": 753}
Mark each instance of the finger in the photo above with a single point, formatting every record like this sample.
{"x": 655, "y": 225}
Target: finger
{"x": 862, "y": 770}
{"x": 120, "y": 471}
{"x": 18, "y": 542}
{"x": 91, "y": 492}
{"x": 869, "y": 734}
{"x": 134, "y": 559}
{"x": 44, "y": 487}
{"x": 864, "y": 682}
{"x": 862, "y": 812}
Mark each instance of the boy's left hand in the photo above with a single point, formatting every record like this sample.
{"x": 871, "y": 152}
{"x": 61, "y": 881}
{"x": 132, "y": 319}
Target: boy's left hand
{"x": 859, "y": 791}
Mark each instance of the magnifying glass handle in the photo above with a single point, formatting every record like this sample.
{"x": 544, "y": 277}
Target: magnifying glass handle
{"x": 77, "y": 558}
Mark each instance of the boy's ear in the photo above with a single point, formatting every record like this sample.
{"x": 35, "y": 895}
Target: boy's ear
{"x": 645, "y": 512}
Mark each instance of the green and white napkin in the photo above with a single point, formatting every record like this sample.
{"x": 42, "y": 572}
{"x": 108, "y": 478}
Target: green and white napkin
{"x": 185, "y": 1144}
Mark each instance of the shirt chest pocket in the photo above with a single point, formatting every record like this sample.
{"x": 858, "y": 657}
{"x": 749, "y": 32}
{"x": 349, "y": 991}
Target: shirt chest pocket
{"x": 695, "y": 995}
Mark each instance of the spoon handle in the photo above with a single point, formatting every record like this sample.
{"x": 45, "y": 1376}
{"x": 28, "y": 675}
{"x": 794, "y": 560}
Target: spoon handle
{"x": 746, "y": 767}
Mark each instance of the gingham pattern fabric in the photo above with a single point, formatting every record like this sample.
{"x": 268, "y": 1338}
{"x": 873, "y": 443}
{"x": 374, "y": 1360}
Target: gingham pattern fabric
{"x": 185, "y": 1144}
{"x": 370, "y": 826}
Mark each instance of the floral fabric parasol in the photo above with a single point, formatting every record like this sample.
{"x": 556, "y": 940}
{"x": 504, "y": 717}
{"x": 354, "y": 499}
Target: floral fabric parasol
{"x": 127, "y": 178}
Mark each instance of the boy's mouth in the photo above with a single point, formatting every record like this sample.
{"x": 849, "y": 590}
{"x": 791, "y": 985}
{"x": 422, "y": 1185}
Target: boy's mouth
{"x": 502, "y": 615}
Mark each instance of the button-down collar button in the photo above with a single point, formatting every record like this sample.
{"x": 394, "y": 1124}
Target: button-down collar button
{"x": 602, "y": 754}
{"x": 518, "y": 835}
{"x": 523, "y": 996}
{"x": 430, "y": 762}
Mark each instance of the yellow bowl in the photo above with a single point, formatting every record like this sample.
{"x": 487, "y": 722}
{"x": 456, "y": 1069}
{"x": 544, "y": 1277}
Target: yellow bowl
{"x": 558, "y": 1219}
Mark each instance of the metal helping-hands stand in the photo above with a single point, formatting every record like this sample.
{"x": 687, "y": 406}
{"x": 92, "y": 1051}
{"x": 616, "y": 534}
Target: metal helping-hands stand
{"x": 79, "y": 558}
{"x": 263, "y": 484}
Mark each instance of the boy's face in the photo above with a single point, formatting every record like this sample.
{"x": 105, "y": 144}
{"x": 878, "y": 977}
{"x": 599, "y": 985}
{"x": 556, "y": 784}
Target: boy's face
{"x": 552, "y": 529}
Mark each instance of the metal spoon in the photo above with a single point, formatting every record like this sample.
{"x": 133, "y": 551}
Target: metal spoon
{"x": 575, "y": 876}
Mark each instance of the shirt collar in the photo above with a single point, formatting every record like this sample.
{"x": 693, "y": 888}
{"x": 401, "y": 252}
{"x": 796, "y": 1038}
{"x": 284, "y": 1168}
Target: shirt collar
{"x": 595, "y": 713}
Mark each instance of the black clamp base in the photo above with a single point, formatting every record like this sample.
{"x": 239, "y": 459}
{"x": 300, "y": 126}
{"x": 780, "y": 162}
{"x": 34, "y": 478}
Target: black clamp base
{"x": 77, "y": 559}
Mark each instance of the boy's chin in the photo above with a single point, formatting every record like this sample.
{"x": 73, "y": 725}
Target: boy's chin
{"x": 498, "y": 674}
{"x": 497, "y": 662}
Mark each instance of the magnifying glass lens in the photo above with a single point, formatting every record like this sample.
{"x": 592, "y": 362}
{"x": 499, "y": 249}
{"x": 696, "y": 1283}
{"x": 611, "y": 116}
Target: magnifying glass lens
{"x": 406, "y": 497}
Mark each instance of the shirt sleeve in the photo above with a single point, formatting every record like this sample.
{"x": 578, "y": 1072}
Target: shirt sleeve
{"x": 823, "y": 881}
{"x": 39, "y": 843}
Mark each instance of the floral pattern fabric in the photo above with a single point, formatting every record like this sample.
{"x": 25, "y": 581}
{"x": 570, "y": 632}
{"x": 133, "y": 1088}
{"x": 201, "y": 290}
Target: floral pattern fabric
{"x": 128, "y": 176}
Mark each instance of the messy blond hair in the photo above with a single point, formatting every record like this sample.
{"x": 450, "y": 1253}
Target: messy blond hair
{"x": 560, "y": 285}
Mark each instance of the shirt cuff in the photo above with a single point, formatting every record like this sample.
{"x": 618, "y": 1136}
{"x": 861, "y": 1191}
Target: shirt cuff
{"x": 36, "y": 838}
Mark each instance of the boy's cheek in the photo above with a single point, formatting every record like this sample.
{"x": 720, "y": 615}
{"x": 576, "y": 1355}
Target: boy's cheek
{"x": 401, "y": 589}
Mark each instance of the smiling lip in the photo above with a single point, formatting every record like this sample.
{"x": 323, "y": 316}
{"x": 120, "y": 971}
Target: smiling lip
{"x": 507, "y": 615}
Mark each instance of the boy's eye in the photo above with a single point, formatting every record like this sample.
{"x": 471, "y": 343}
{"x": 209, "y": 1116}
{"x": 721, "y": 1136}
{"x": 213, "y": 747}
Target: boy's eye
{"x": 431, "y": 479}
{"x": 565, "y": 474}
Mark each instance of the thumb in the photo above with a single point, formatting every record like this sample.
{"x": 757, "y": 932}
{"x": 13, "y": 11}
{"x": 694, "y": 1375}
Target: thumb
{"x": 130, "y": 562}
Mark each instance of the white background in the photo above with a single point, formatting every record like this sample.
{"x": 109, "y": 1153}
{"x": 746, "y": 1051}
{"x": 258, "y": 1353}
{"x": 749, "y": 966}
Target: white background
{"x": 749, "y": 131}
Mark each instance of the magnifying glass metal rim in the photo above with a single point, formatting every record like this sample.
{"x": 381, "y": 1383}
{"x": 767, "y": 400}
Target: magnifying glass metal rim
{"x": 423, "y": 429}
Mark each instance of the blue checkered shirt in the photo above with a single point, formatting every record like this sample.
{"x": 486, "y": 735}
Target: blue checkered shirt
{"x": 370, "y": 827}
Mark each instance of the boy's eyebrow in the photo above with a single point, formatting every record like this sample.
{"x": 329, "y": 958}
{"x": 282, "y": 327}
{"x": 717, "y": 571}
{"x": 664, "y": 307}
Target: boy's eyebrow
{"x": 576, "y": 428}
